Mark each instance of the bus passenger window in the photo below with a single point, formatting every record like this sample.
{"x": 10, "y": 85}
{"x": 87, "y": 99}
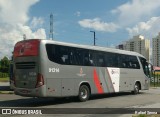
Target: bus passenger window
{"x": 91, "y": 62}
{"x": 124, "y": 65}
{"x": 91, "y": 59}
{"x": 64, "y": 58}
{"x": 86, "y": 59}
{"x": 101, "y": 62}
{"x": 134, "y": 66}
{"x": 79, "y": 57}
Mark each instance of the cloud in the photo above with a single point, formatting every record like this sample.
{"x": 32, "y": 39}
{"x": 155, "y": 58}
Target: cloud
{"x": 13, "y": 24}
{"x": 37, "y": 22}
{"x": 98, "y": 25}
{"x": 15, "y": 11}
{"x": 136, "y": 10}
{"x": 39, "y": 33}
{"x": 149, "y": 28}
{"x": 78, "y": 14}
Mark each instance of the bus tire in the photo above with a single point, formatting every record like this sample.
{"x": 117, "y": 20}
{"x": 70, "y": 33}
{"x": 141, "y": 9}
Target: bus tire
{"x": 136, "y": 89}
{"x": 84, "y": 93}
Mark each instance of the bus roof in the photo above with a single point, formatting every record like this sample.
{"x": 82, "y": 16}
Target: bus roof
{"x": 92, "y": 47}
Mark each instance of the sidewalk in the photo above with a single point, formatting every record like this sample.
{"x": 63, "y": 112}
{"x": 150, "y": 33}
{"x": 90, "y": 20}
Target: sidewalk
{"x": 5, "y": 88}
{"x": 4, "y": 84}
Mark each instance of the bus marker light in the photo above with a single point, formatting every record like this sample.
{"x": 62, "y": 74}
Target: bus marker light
{"x": 40, "y": 80}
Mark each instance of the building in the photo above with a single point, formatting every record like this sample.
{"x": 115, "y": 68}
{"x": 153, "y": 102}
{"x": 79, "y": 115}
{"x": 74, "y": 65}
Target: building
{"x": 156, "y": 50}
{"x": 138, "y": 44}
{"x": 121, "y": 46}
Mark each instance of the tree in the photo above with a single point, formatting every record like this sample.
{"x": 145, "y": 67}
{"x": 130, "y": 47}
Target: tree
{"x": 4, "y": 66}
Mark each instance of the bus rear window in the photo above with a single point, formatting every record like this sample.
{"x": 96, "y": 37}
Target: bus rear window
{"x": 26, "y": 48}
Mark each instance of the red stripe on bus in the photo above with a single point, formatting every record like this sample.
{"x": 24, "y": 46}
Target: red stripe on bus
{"x": 97, "y": 82}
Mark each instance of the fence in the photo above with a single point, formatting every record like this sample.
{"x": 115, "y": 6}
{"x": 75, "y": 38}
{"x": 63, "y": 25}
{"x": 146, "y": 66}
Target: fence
{"x": 155, "y": 80}
{"x": 4, "y": 75}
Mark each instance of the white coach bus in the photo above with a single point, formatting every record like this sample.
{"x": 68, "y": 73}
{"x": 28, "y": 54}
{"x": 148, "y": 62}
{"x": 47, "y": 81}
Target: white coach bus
{"x": 46, "y": 68}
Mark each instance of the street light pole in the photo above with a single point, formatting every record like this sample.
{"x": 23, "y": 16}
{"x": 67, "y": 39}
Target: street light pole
{"x": 94, "y": 37}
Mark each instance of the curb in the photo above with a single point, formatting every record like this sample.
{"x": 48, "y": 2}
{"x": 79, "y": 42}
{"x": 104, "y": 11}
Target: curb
{"x": 3, "y": 81}
{"x": 154, "y": 87}
{"x": 6, "y": 92}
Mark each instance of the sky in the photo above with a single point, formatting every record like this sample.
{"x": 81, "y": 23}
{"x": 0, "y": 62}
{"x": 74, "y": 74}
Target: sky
{"x": 114, "y": 21}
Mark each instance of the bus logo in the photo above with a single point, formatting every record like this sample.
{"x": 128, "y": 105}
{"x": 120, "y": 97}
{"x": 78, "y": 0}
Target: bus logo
{"x": 81, "y": 73}
{"x": 54, "y": 70}
{"x": 115, "y": 71}
{"x": 21, "y": 51}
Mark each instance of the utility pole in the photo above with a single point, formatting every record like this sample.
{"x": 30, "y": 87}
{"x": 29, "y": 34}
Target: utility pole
{"x": 51, "y": 26}
{"x": 94, "y": 37}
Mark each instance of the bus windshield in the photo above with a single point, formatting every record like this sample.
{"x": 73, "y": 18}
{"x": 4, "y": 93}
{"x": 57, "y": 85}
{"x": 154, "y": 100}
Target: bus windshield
{"x": 26, "y": 48}
{"x": 145, "y": 66}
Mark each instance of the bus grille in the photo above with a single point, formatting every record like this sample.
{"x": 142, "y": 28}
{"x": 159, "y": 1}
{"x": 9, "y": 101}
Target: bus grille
{"x": 25, "y": 65}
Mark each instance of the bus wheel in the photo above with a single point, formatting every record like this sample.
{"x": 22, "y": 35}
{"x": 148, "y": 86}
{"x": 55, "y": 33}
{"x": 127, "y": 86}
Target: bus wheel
{"x": 84, "y": 93}
{"x": 136, "y": 89}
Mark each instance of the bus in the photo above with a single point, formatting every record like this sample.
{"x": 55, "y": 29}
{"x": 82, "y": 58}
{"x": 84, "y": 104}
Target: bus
{"x": 47, "y": 68}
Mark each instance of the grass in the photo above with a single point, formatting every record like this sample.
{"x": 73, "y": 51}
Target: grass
{"x": 4, "y": 79}
{"x": 155, "y": 85}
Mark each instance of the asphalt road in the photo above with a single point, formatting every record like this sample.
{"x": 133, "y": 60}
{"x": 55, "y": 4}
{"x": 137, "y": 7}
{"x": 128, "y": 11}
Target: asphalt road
{"x": 146, "y": 99}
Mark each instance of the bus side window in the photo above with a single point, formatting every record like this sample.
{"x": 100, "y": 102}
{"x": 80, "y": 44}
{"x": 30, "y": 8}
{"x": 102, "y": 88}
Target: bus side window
{"x": 100, "y": 60}
{"x": 79, "y": 57}
{"x": 129, "y": 61}
{"x": 62, "y": 52}
{"x": 109, "y": 59}
{"x": 91, "y": 60}
{"x": 114, "y": 60}
{"x": 86, "y": 57}
{"x": 72, "y": 58}
{"x": 124, "y": 65}
{"x": 121, "y": 61}
{"x": 53, "y": 54}
{"x": 64, "y": 59}
{"x": 134, "y": 62}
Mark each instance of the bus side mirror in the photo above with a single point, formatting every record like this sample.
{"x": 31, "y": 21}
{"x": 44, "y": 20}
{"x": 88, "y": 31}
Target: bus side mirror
{"x": 152, "y": 68}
